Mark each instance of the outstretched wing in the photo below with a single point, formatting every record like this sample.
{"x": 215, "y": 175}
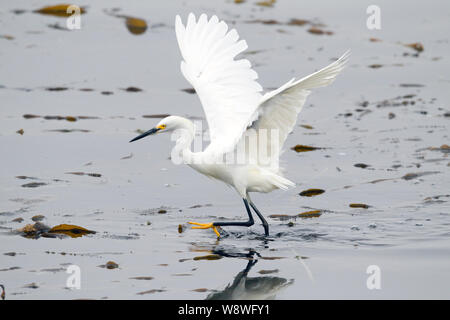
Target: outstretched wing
{"x": 226, "y": 87}
{"x": 279, "y": 108}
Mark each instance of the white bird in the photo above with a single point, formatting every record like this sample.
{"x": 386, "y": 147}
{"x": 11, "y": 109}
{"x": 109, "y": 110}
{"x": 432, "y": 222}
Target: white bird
{"x": 236, "y": 110}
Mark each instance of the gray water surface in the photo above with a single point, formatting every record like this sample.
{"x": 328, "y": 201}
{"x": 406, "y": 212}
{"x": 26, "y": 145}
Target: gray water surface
{"x": 393, "y": 118}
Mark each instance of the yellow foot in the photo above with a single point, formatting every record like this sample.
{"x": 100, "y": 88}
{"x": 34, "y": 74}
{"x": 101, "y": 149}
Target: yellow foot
{"x": 206, "y": 226}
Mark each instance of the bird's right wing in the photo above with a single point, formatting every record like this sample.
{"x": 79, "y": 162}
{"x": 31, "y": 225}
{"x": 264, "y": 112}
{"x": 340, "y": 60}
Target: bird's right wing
{"x": 279, "y": 108}
{"x": 227, "y": 88}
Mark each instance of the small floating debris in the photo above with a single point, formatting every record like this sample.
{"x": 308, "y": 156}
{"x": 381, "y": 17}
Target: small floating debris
{"x": 359, "y": 205}
{"x": 109, "y": 265}
{"x": 72, "y": 231}
{"x": 189, "y": 90}
{"x": 20, "y": 131}
{"x": 272, "y": 258}
{"x": 318, "y": 31}
{"x": 38, "y": 218}
{"x": 416, "y": 46}
{"x": 69, "y": 130}
{"x": 281, "y": 216}
{"x": 304, "y": 148}
{"x": 445, "y": 148}
{"x": 181, "y": 228}
{"x": 96, "y": 175}
{"x": 361, "y": 165}
{"x": 375, "y": 66}
{"x": 298, "y": 22}
{"x": 11, "y": 254}
{"x": 30, "y": 116}
{"x": 311, "y": 192}
{"x": 208, "y": 257}
{"x": 142, "y": 278}
{"x": 33, "y": 184}
{"x": 201, "y": 289}
{"x": 59, "y": 10}
{"x": 7, "y": 37}
{"x": 310, "y": 214}
{"x": 267, "y": 3}
{"x": 135, "y": 25}
{"x": 414, "y": 175}
{"x": 132, "y": 89}
{"x": 33, "y": 231}
{"x": 31, "y": 286}
{"x": 151, "y": 291}
{"x": 56, "y": 88}
{"x": 127, "y": 157}
{"x": 411, "y": 85}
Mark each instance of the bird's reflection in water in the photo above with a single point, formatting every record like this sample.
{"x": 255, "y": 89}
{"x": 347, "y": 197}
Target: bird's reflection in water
{"x": 244, "y": 287}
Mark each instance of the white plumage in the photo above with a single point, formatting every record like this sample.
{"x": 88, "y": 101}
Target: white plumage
{"x": 236, "y": 110}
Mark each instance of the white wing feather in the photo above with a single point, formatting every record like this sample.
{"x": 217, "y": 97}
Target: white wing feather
{"x": 279, "y": 108}
{"x": 226, "y": 87}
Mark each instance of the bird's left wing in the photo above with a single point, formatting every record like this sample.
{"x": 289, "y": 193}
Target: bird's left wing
{"x": 279, "y": 108}
{"x": 227, "y": 88}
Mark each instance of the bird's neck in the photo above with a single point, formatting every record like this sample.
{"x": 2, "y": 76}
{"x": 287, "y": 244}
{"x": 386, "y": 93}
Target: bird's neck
{"x": 184, "y": 136}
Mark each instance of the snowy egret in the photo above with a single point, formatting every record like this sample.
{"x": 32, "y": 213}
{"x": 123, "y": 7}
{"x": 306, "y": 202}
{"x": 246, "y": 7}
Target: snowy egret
{"x": 234, "y": 107}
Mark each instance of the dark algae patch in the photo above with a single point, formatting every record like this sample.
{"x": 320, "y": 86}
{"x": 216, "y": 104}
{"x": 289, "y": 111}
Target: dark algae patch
{"x": 304, "y": 148}
{"x": 311, "y": 192}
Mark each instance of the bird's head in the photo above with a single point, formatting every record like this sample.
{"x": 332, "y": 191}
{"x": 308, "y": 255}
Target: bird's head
{"x": 168, "y": 124}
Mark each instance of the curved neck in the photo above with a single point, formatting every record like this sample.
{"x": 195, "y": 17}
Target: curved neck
{"x": 184, "y": 136}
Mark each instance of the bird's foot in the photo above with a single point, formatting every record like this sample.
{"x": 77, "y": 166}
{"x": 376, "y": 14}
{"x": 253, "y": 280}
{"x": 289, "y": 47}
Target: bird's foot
{"x": 206, "y": 226}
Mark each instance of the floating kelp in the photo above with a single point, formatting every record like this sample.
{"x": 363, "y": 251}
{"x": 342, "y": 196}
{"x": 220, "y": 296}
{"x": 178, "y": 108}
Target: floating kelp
{"x": 34, "y": 184}
{"x": 109, "y": 265}
{"x": 33, "y": 231}
{"x": 189, "y": 90}
{"x": 311, "y": 192}
{"x": 59, "y": 10}
{"x": 307, "y": 214}
{"x": 96, "y": 175}
{"x": 310, "y": 214}
{"x": 361, "y": 165}
{"x": 135, "y": 25}
{"x": 209, "y": 257}
{"x": 318, "y": 31}
{"x": 416, "y": 46}
{"x": 142, "y": 278}
{"x": 267, "y": 3}
{"x": 70, "y": 230}
{"x": 304, "y": 148}
{"x": 359, "y": 205}
{"x": 415, "y": 175}
{"x": 151, "y": 291}
{"x": 132, "y": 89}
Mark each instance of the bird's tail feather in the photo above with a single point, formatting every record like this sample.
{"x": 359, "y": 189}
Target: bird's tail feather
{"x": 281, "y": 182}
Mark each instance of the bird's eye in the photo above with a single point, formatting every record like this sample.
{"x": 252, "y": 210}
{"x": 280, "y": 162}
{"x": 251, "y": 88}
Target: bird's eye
{"x": 161, "y": 126}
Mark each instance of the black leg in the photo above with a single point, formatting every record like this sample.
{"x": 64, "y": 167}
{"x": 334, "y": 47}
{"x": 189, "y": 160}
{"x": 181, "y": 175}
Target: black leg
{"x": 248, "y": 223}
{"x": 264, "y": 222}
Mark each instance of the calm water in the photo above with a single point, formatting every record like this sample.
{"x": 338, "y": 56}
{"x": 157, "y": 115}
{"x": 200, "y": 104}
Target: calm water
{"x": 388, "y": 110}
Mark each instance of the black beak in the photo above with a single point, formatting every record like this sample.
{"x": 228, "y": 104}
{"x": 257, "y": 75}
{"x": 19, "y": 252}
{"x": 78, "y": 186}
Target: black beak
{"x": 149, "y": 132}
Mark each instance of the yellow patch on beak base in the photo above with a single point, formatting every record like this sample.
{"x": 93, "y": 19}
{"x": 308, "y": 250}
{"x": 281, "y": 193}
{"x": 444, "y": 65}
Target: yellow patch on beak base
{"x": 161, "y": 127}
